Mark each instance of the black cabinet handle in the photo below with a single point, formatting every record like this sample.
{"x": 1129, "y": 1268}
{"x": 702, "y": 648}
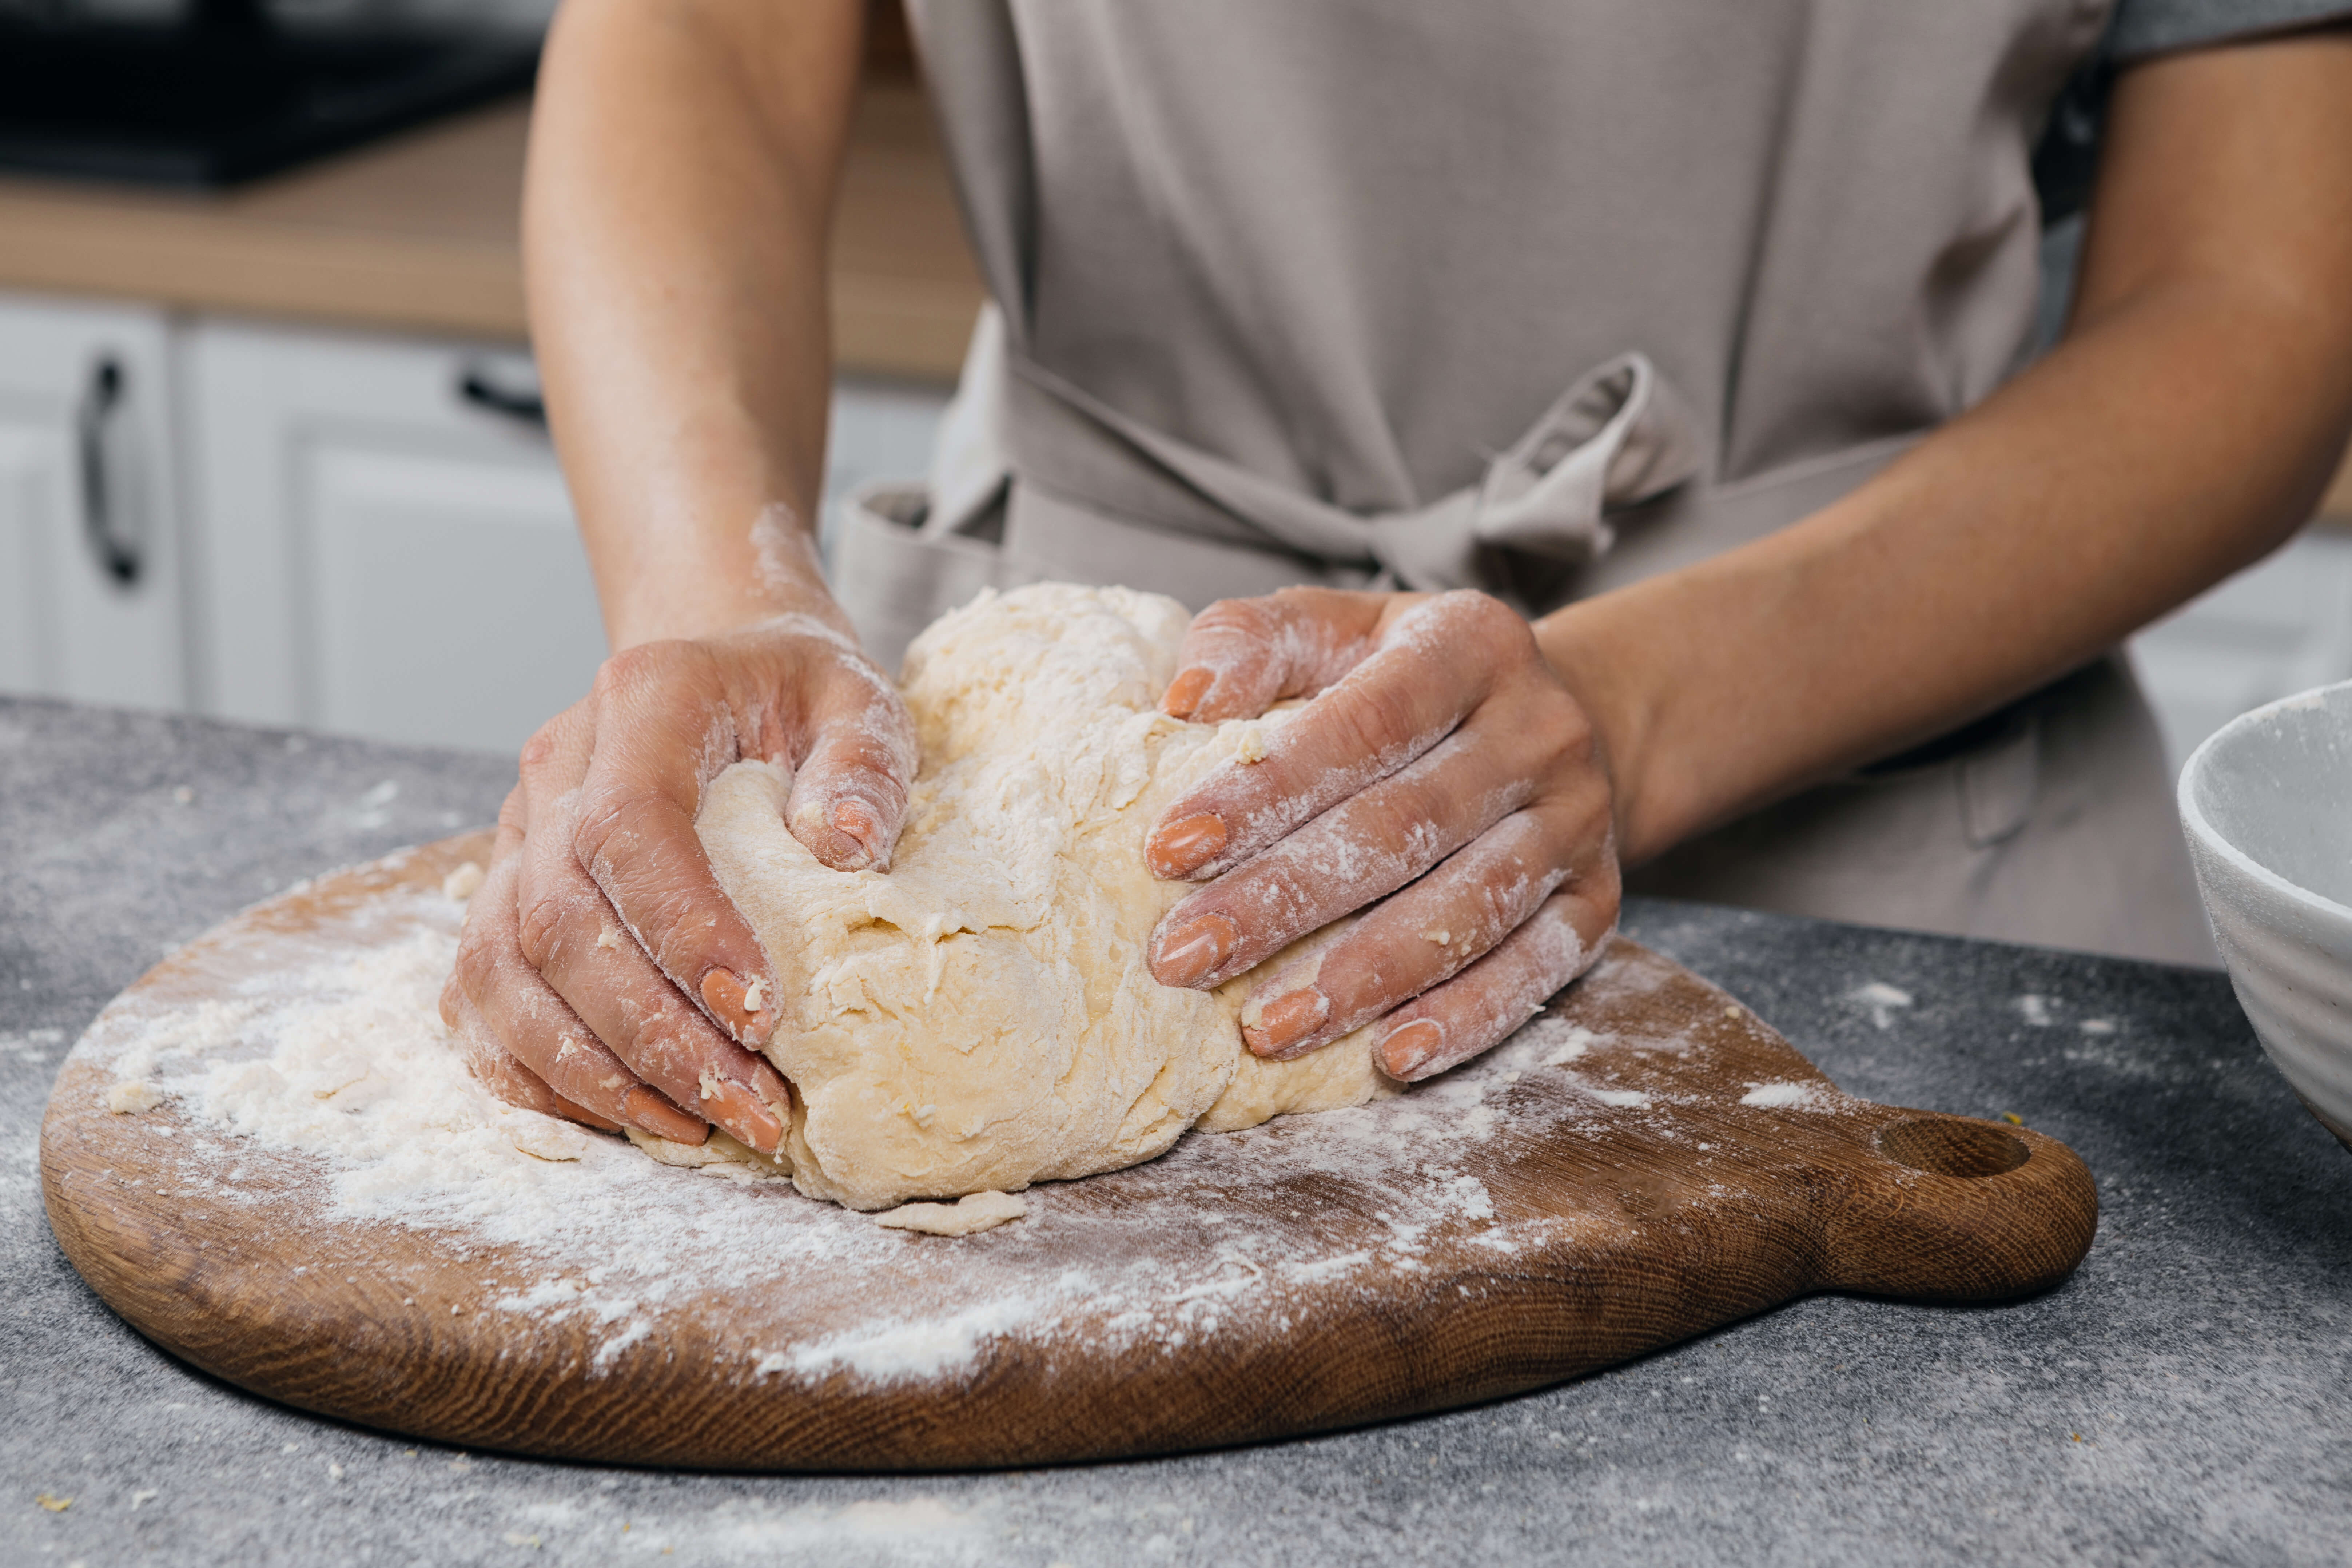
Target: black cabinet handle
{"x": 523, "y": 403}
{"x": 114, "y": 538}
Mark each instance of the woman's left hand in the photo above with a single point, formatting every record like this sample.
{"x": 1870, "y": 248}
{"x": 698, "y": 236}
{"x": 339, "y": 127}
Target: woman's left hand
{"x": 1444, "y": 783}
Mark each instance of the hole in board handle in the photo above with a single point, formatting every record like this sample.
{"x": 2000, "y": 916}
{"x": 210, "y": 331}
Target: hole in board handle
{"x": 1952, "y": 1146}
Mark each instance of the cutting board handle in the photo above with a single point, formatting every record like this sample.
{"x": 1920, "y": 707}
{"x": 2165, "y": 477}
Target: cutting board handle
{"x": 1954, "y": 1209}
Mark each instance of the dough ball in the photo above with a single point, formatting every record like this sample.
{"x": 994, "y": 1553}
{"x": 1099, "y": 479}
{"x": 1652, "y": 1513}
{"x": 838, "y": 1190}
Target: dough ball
{"x": 980, "y": 1017}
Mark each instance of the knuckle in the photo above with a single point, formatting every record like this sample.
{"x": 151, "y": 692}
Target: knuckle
{"x": 601, "y": 818}
{"x": 540, "y": 750}
{"x": 647, "y": 667}
{"x": 1410, "y": 815}
{"x": 1379, "y": 716}
{"x": 538, "y": 928}
{"x": 472, "y": 974}
{"x": 1483, "y": 626}
{"x": 1227, "y": 614}
{"x": 547, "y": 741}
{"x": 1561, "y": 728}
{"x": 1499, "y": 626}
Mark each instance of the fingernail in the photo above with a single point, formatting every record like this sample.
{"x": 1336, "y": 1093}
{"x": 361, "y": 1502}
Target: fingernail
{"x": 733, "y": 1003}
{"x": 658, "y": 1116}
{"x": 1407, "y": 1048}
{"x": 853, "y": 821}
{"x": 1184, "y": 692}
{"x": 1193, "y": 952}
{"x": 1186, "y": 844}
{"x": 1287, "y": 1020}
{"x": 738, "y": 1109}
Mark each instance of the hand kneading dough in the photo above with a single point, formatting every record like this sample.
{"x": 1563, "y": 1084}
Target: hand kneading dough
{"x": 980, "y": 1017}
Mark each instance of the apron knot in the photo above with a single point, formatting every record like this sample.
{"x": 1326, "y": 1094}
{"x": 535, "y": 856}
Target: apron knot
{"x": 1617, "y": 437}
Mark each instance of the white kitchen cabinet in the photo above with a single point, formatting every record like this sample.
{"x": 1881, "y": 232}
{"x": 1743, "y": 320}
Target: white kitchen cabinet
{"x": 91, "y": 556}
{"x": 386, "y": 550}
{"x": 2282, "y": 625}
{"x": 388, "y": 547}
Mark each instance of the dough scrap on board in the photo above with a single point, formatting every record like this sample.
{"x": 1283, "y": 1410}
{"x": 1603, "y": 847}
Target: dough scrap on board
{"x": 980, "y": 1016}
{"x": 975, "y": 1213}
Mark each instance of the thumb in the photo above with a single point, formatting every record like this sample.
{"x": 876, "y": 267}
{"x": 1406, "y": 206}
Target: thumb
{"x": 849, "y": 799}
{"x": 1241, "y": 656}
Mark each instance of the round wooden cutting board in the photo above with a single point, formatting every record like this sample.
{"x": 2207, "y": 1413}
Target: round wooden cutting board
{"x": 1643, "y": 1163}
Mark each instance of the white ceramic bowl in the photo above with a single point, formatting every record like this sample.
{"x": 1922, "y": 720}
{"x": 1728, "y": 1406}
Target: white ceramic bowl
{"x": 2267, "y": 803}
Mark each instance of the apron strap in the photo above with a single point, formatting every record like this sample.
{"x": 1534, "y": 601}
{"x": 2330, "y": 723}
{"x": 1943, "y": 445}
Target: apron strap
{"x": 1618, "y": 436}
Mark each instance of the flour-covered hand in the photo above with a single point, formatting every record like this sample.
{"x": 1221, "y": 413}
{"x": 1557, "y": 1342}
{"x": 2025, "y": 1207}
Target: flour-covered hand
{"x": 603, "y": 974}
{"x": 1443, "y": 786}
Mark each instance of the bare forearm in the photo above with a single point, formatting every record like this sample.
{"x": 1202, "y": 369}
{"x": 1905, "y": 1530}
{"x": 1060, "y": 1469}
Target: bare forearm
{"x": 2186, "y": 425}
{"x": 682, "y": 166}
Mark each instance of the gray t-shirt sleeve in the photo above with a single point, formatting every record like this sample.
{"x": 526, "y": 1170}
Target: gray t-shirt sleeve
{"x": 2143, "y": 28}
{"x": 2067, "y": 157}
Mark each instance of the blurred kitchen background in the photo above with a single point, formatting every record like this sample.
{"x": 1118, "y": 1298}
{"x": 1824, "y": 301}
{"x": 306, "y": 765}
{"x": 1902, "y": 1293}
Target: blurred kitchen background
{"x": 270, "y": 444}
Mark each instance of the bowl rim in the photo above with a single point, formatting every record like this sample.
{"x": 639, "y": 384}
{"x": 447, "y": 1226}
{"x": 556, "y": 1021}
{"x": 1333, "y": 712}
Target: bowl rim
{"x": 2201, "y": 828}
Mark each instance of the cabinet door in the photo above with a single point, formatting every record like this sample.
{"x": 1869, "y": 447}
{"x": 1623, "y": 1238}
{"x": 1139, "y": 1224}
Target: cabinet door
{"x": 388, "y": 549}
{"x": 90, "y": 579}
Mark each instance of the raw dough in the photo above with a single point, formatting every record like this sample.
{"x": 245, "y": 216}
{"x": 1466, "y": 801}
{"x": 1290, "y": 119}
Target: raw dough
{"x": 977, "y": 1212}
{"x": 132, "y": 1095}
{"x": 980, "y": 1017}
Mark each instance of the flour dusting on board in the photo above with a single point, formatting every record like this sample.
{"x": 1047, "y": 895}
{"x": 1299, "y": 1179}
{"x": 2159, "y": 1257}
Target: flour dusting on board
{"x": 1881, "y": 1000}
{"x": 334, "y": 1071}
{"x": 1786, "y": 1096}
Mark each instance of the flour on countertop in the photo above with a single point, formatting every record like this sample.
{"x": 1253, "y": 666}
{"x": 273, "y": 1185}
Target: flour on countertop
{"x": 1881, "y": 1000}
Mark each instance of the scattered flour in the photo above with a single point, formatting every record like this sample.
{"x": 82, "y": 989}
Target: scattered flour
{"x": 1575, "y": 1040}
{"x": 2034, "y": 1010}
{"x": 1881, "y": 999}
{"x": 1782, "y": 1096}
{"x": 894, "y": 1352}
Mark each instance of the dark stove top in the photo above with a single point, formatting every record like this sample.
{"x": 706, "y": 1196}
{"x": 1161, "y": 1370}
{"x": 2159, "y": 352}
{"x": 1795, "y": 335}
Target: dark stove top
{"x": 209, "y": 105}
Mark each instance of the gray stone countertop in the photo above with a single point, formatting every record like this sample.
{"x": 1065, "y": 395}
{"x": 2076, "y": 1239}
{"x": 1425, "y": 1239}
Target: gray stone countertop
{"x": 2182, "y": 1398}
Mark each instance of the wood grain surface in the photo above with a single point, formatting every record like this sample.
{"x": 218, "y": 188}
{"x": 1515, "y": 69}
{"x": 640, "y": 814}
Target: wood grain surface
{"x": 1645, "y": 1163}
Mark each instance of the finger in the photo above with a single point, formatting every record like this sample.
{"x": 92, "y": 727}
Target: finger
{"x": 508, "y": 1080}
{"x": 662, "y": 728}
{"x": 1479, "y": 1008}
{"x": 1435, "y": 663}
{"x": 512, "y": 812}
{"x": 1240, "y": 656}
{"x": 1362, "y": 850}
{"x": 631, "y": 1013}
{"x": 538, "y": 1030}
{"x": 849, "y": 795}
{"x": 1419, "y": 939}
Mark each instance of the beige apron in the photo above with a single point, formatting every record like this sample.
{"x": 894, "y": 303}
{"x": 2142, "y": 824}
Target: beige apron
{"x": 1536, "y": 297}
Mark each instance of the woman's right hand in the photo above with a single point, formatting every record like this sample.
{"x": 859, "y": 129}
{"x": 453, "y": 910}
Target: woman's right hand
{"x": 604, "y": 976}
